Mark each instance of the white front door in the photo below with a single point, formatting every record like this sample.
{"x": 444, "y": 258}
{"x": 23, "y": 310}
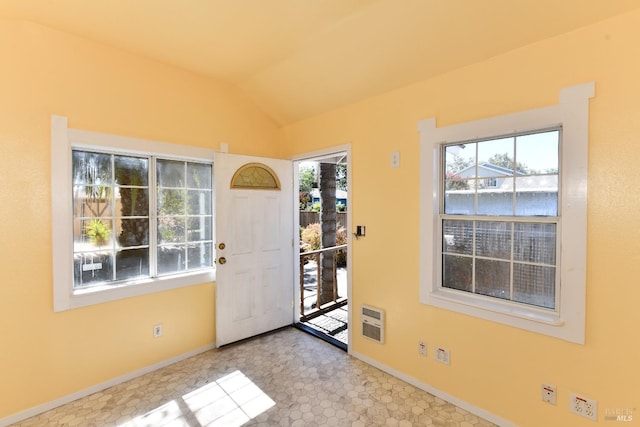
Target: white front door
{"x": 254, "y": 238}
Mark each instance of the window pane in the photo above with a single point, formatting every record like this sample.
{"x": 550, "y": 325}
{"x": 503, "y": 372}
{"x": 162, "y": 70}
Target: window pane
{"x": 492, "y": 278}
{"x": 459, "y": 178}
{"x": 132, "y": 263}
{"x": 460, "y": 160}
{"x": 457, "y": 237}
{"x": 133, "y": 232}
{"x": 200, "y": 255}
{"x": 199, "y": 202}
{"x": 498, "y": 200}
{"x": 535, "y": 243}
{"x": 92, "y": 269}
{"x": 199, "y": 228}
{"x": 493, "y": 239}
{"x": 131, "y": 171}
{"x": 537, "y": 195}
{"x": 95, "y": 233}
{"x": 171, "y": 229}
{"x": 184, "y": 215}
{"x": 457, "y": 272}
{"x": 82, "y": 240}
{"x": 170, "y": 173}
{"x": 459, "y": 202}
{"x": 171, "y": 259}
{"x": 79, "y": 238}
{"x": 133, "y": 201}
{"x": 539, "y": 152}
{"x": 171, "y": 202}
{"x": 199, "y": 175}
{"x": 91, "y": 168}
{"x": 92, "y": 201}
{"x": 495, "y": 157}
{"x": 534, "y": 285}
{"x": 455, "y": 183}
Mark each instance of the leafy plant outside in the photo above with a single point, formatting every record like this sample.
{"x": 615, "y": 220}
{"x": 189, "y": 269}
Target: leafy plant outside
{"x": 310, "y": 241}
{"x": 98, "y": 232}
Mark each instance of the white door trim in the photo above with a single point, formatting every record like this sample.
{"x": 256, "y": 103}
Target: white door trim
{"x": 314, "y": 155}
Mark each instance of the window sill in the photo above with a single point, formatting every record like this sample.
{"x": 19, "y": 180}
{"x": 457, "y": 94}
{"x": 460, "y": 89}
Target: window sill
{"x": 101, "y": 294}
{"x": 532, "y": 320}
{"x": 491, "y": 308}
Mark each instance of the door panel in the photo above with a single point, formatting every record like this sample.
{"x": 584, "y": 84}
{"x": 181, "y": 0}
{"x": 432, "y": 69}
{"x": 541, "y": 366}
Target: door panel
{"x": 254, "y": 286}
{"x": 243, "y": 296}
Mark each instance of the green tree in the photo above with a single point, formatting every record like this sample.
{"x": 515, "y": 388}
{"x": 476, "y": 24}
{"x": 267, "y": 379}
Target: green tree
{"x": 304, "y": 200}
{"x": 341, "y": 176}
{"x": 134, "y": 203}
{"x": 459, "y": 163}
{"x": 506, "y": 161}
{"x": 455, "y": 182}
{"x": 308, "y": 179}
{"x": 171, "y": 215}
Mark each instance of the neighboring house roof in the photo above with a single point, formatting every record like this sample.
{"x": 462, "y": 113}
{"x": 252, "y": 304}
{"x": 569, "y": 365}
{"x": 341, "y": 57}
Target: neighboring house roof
{"x": 524, "y": 184}
{"x": 489, "y": 168}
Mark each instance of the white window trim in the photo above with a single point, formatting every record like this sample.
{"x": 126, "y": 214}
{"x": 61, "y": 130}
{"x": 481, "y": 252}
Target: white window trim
{"x": 572, "y": 113}
{"x": 63, "y": 140}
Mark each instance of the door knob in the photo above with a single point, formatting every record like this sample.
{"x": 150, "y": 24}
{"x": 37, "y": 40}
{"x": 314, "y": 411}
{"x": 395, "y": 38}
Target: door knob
{"x": 221, "y": 246}
{"x": 222, "y": 260}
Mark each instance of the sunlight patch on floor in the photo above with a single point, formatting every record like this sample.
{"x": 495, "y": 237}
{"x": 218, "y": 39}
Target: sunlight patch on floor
{"x": 230, "y": 401}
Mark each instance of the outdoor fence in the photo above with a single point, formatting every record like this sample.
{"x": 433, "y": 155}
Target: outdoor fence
{"x": 308, "y": 217}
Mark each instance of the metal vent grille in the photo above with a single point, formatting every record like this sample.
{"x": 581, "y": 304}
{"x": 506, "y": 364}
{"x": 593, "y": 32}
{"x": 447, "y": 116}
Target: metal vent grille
{"x": 371, "y": 313}
{"x": 372, "y": 323}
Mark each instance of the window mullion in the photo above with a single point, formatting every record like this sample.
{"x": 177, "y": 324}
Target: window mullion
{"x": 473, "y": 258}
{"x": 475, "y": 182}
{"x": 514, "y": 175}
{"x": 185, "y": 206}
{"x": 514, "y": 219}
{"x": 153, "y": 218}
{"x": 112, "y": 219}
{"x": 511, "y": 260}
{"x": 558, "y": 262}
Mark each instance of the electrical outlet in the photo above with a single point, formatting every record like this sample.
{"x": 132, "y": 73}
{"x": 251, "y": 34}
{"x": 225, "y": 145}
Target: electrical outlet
{"x": 549, "y": 393}
{"x": 422, "y": 348}
{"x": 157, "y": 330}
{"x": 582, "y": 406}
{"x": 443, "y": 355}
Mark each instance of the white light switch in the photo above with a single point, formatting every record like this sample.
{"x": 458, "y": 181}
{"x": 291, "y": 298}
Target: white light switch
{"x": 395, "y": 159}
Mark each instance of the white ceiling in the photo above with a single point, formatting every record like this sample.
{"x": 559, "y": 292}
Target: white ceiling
{"x": 298, "y": 58}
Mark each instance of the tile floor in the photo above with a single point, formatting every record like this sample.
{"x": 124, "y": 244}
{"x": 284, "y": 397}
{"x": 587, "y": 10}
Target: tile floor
{"x": 287, "y": 378}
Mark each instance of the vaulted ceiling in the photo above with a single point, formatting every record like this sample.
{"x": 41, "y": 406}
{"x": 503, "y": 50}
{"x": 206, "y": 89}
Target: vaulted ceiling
{"x": 298, "y": 58}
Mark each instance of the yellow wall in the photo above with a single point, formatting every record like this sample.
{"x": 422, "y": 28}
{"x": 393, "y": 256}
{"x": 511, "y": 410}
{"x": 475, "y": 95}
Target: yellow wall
{"x": 496, "y": 367}
{"x": 46, "y": 355}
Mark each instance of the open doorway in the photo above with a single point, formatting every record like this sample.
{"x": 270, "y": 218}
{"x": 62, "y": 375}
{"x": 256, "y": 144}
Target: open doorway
{"x": 323, "y": 263}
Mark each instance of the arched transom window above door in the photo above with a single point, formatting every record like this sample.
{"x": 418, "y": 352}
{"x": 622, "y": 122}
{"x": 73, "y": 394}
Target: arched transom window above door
{"x": 255, "y": 176}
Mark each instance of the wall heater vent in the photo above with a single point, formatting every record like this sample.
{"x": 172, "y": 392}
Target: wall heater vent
{"x": 372, "y": 323}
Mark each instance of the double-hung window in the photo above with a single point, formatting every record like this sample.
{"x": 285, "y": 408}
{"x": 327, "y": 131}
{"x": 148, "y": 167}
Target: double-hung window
{"x": 500, "y": 241}
{"x": 503, "y": 217}
{"x": 130, "y": 216}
